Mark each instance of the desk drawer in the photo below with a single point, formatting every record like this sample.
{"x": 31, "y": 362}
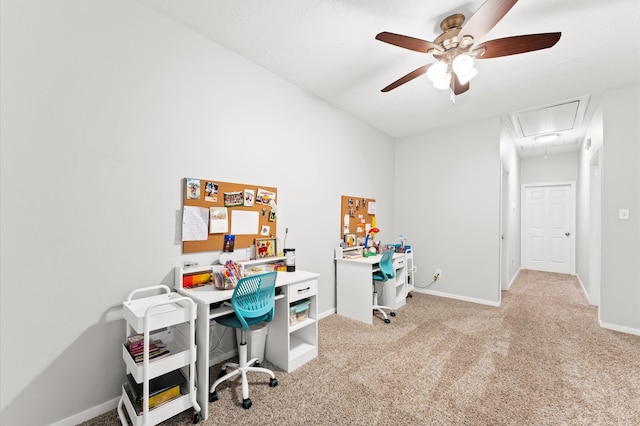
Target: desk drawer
{"x": 301, "y": 290}
{"x": 399, "y": 262}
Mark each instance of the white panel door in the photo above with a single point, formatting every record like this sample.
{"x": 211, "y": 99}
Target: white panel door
{"x": 548, "y": 226}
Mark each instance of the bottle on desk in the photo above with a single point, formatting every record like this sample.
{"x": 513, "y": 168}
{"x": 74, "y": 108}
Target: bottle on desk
{"x": 290, "y": 255}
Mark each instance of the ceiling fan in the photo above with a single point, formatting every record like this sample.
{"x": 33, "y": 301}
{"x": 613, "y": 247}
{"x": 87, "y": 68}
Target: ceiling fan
{"x": 454, "y": 49}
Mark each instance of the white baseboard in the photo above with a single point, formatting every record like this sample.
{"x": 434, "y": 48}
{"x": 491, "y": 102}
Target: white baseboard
{"x": 620, "y": 328}
{"x": 326, "y": 313}
{"x": 514, "y": 278}
{"x": 457, "y": 297}
{"x": 584, "y": 289}
{"x": 89, "y": 414}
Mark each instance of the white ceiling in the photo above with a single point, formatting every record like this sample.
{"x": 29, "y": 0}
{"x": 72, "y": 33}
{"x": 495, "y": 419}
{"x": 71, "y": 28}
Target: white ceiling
{"x": 328, "y": 48}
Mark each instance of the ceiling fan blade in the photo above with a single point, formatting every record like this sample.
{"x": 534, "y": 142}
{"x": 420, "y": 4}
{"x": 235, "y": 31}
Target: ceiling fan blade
{"x": 408, "y": 42}
{"x": 413, "y": 74}
{"x": 516, "y": 44}
{"x": 485, "y": 18}
{"x": 457, "y": 87}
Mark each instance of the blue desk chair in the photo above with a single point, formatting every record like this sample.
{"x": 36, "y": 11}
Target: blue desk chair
{"x": 253, "y": 303}
{"x": 386, "y": 272}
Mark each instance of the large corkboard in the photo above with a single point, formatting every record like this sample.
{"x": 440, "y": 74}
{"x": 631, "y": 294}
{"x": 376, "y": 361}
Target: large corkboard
{"x": 212, "y": 194}
{"x": 361, "y": 211}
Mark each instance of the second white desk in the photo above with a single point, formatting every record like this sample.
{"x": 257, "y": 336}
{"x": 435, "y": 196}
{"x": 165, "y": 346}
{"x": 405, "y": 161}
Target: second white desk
{"x": 354, "y": 291}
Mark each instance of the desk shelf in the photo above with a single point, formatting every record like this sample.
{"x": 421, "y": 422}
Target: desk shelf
{"x": 301, "y": 324}
{"x": 394, "y": 295}
{"x": 289, "y": 345}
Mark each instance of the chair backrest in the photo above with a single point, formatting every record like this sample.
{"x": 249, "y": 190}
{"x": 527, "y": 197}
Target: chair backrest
{"x": 254, "y": 297}
{"x": 386, "y": 264}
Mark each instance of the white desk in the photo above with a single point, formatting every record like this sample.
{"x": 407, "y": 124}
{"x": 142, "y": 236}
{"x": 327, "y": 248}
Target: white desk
{"x": 354, "y": 291}
{"x": 287, "y": 353}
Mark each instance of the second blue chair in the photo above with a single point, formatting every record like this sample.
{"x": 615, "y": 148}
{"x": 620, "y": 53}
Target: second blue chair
{"x": 386, "y": 272}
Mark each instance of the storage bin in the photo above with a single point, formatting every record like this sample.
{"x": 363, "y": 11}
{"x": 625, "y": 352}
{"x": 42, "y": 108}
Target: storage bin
{"x": 256, "y": 338}
{"x": 299, "y": 311}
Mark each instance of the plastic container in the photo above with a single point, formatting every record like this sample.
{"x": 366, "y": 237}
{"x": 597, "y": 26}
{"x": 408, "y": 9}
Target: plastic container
{"x": 299, "y": 311}
{"x": 256, "y": 340}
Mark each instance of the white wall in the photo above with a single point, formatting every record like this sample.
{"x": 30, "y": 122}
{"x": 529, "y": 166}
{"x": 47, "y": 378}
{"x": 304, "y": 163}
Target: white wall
{"x": 106, "y": 107}
{"x": 448, "y": 197}
{"x": 551, "y": 168}
{"x": 620, "y": 282}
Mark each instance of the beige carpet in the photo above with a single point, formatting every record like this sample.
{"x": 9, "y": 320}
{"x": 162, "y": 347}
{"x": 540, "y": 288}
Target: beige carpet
{"x": 538, "y": 359}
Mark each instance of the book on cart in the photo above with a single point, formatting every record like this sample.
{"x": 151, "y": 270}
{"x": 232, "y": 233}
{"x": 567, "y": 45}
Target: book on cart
{"x": 135, "y": 345}
{"x": 161, "y": 389}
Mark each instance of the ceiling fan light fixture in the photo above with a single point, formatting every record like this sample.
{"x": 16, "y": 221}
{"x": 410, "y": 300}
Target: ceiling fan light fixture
{"x": 466, "y": 77}
{"x": 547, "y": 138}
{"x": 444, "y": 82}
{"x": 437, "y": 71}
{"x": 462, "y": 64}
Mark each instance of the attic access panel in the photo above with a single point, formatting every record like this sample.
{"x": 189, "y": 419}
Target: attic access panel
{"x": 555, "y": 118}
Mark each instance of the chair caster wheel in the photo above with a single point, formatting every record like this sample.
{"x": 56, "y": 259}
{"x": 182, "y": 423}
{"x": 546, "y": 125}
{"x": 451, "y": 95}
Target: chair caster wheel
{"x": 387, "y": 320}
{"x": 213, "y": 396}
{"x": 393, "y": 314}
{"x": 246, "y": 403}
{"x": 196, "y": 418}
{"x": 273, "y": 383}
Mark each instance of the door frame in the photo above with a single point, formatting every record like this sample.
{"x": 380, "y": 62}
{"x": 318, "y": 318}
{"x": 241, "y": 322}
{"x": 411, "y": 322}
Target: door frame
{"x": 595, "y": 227}
{"x": 504, "y": 226}
{"x": 572, "y": 215}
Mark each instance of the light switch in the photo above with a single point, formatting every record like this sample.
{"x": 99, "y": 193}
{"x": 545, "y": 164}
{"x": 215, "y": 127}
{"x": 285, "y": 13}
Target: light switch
{"x": 623, "y": 214}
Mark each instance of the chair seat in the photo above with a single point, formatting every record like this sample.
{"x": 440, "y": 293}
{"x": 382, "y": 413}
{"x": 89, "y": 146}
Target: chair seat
{"x": 379, "y": 277}
{"x": 233, "y": 321}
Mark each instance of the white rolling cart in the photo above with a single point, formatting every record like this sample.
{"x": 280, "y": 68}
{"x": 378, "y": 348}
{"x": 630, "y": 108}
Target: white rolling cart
{"x": 169, "y": 317}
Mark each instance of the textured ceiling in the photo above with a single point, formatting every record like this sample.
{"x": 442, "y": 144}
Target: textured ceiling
{"x": 328, "y": 48}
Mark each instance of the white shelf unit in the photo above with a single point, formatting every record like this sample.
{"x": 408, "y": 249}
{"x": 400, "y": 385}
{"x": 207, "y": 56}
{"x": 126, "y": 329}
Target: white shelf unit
{"x": 245, "y": 265}
{"x": 289, "y": 345}
{"x": 411, "y": 272}
{"x": 260, "y": 264}
{"x": 394, "y": 294}
{"x": 170, "y": 318}
{"x": 349, "y": 252}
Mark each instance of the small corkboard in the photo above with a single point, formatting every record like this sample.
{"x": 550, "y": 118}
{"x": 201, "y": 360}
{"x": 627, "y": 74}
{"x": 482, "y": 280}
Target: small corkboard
{"x": 360, "y": 212}
{"x": 241, "y": 200}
